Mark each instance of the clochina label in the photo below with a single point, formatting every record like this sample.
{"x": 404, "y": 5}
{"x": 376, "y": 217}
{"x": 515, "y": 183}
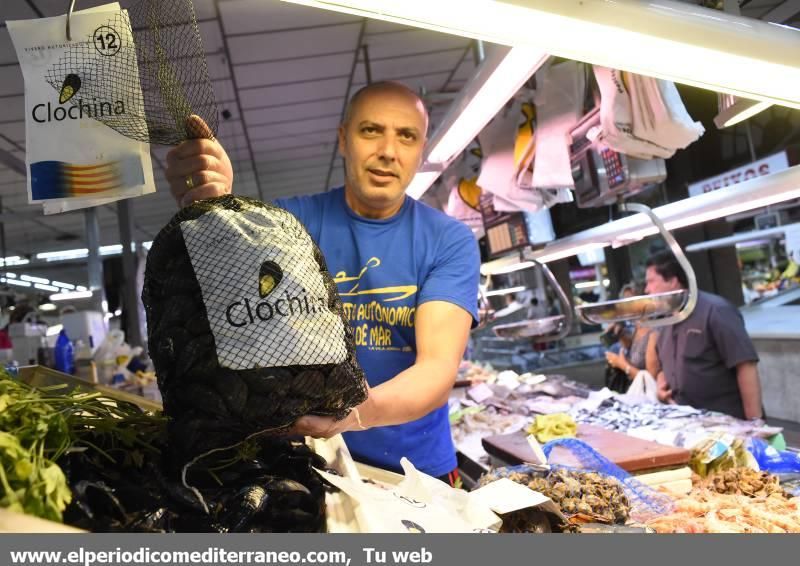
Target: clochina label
{"x": 264, "y": 294}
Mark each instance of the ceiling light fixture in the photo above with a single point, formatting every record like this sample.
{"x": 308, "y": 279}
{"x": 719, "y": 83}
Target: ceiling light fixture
{"x": 676, "y": 41}
{"x": 497, "y": 292}
{"x": 79, "y": 253}
{"x": 33, "y": 279}
{"x": 733, "y": 110}
{"x": 15, "y": 282}
{"x": 71, "y": 295}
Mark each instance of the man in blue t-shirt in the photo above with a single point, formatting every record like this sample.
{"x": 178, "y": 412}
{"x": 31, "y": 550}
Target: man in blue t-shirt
{"x": 407, "y": 275}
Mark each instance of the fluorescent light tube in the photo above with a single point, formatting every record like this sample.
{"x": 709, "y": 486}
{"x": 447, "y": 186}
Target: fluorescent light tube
{"x": 34, "y": 279}
{"x": 17, "y": 283}
{"x": 69, "y": 286}
{"x": 421, "y": 182}
{"x": 734, "y": 110}
{"x": 590, "y": 284}
{"x": 48, "y": 307}
{"x": 71, "y": 295}
{"x": 760, "y": 235}
{"x": 63, "y": 255}
{"x": 44, "y": 287}
{"x": 747, "y": 195}
{"x": 110, "y": 250}
{"x": 497, "y": 292}
{"x": 667, "y": 39}
{"x": 13, "y": 275}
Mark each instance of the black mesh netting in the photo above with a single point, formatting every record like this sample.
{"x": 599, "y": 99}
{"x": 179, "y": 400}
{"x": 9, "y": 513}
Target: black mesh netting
{"x": 160, "y": 38}
{"x": 245, "y": 325}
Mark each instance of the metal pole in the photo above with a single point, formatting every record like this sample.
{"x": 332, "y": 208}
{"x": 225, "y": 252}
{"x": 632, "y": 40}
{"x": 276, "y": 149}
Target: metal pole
{"x": 479, "y": 52}
{"x": 2, "y": 240}
{"x": 130, "y": 303}
{"x": 95, "y": 265}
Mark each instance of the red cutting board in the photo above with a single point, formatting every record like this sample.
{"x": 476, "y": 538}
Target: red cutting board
{"x": 629, "y": 453}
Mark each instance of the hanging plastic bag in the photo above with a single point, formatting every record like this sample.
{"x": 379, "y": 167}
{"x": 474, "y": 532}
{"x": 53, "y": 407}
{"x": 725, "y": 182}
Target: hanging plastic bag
{"x": 106, "y": 356}
{"x": 659, "y": 114}
{"x": 505, "y": 156}
{"x": 463, "y": 202}
{"x": 559, "y": 103}
{"x": 616, "y": 119}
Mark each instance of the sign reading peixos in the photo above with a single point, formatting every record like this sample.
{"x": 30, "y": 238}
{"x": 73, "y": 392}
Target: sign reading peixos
{"x": 766, "y": 166}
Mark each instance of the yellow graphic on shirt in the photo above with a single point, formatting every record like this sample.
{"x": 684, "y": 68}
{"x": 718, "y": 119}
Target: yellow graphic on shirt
{"x": 372, "y": 322}
{"x": 401, "y": 291}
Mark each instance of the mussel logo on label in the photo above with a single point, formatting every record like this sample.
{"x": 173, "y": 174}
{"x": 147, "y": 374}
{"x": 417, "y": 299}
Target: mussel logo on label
{"x": 269, "y": 276}
{"x": 71, "y": 86}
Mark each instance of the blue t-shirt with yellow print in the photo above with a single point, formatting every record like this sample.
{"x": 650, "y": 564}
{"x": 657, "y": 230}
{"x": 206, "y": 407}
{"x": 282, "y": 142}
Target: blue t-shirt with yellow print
{"x": 385, "y": 269}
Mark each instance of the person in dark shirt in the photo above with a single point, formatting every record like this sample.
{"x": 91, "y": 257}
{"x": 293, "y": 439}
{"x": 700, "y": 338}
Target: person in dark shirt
{"x": 707, "y": 361}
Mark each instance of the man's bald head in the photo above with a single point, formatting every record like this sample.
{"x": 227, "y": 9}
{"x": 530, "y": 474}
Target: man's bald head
{"x": 388, "y": 87}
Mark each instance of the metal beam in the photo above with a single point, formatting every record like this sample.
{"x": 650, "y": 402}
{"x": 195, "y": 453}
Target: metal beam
{"x": 359, "y": 42}
{"x": 98, "y": 300}
{"x": 130, "y": 296}
{"x": 12, "y": 162}
{"x": 783, "y": 12}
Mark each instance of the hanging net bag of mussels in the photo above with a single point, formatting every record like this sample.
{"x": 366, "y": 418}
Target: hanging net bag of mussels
{"x": 245, "y": 326}
{"x": 146, "y": 66}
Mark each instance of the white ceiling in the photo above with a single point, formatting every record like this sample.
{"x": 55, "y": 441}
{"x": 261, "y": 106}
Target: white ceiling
{"x": 284, "y": 73}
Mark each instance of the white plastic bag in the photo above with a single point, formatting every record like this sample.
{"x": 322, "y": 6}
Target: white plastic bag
{"x": 559, "y": 103}
{"x": 616, "y": 119}
{"x": 659, "y": 115}
{"x": 644, "y": 385}
{"x": 111, "y": 353}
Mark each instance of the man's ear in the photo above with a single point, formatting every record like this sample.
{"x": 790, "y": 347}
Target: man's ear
{"x": 341, "y": 135}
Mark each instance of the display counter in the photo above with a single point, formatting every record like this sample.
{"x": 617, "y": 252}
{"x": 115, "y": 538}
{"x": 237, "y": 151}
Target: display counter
{"x": 775, "y": 331}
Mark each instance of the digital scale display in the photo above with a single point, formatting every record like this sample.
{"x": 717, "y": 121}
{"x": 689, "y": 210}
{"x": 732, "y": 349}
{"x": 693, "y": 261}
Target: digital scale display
{"x": 612, "y": 163}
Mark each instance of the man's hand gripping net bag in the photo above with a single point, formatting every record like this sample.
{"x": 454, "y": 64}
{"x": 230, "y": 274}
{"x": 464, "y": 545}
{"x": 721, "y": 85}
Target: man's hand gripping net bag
{"x": 245, "y": 325}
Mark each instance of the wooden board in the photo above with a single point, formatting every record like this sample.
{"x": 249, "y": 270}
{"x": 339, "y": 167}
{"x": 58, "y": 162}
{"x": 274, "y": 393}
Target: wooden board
{"x": 629, "y": 453}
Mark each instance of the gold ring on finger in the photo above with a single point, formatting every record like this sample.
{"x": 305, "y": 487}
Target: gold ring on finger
{"x": 189, "y": 182}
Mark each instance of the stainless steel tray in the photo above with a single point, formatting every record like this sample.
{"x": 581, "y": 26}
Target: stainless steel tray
{"x": 645, "y": 307}
{"x": 537, "y": 328}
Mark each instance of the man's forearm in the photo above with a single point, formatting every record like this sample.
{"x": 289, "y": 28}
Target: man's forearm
{"x": 409, "y": 395}
{"x": 750, "y": 389}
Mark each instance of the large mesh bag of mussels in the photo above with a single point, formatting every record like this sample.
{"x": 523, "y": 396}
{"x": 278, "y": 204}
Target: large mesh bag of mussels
{"x": 245, "y": 326}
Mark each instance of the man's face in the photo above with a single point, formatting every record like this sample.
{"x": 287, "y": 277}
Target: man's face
{"x": 657, "y": 284}
{"x": 382, "y": 145}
